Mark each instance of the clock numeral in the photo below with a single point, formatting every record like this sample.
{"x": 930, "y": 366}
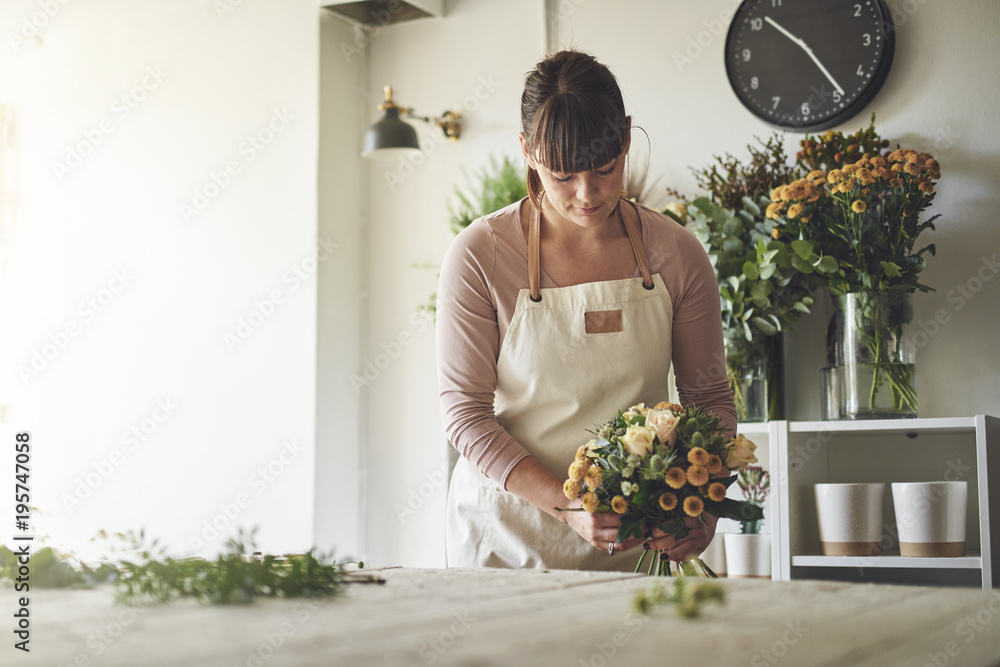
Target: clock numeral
{"x": 756, "y": 24}
{"x": 866, "y": 39}
{"x": 775, "y": 100}
{"x": 836, "y": 96}
{"x": 805, "y": 109}
{"x": 775, "y": 3}
{"x": 857, "y": 10}
{"x": 861, "y": 71}
{"x": 746, "y": 55}
{"x": 754, "y": 83}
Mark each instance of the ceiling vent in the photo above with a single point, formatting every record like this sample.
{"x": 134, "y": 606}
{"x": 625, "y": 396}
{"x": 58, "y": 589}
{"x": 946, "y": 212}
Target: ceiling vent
{"x": 385, "y": 12}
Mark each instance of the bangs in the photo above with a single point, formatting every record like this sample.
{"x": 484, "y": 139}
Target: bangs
{"x": 573, "y": 134}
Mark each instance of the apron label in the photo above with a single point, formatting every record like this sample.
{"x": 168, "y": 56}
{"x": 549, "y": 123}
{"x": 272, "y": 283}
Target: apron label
{"x": 603, "y": 321}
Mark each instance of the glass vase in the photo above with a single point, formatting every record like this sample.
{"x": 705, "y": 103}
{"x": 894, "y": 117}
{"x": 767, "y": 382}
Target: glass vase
{"x": 873, "y": 367}
{"x": 756, "y": 377}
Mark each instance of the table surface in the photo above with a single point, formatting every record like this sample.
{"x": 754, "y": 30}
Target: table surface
{"x": 502, "y": 617}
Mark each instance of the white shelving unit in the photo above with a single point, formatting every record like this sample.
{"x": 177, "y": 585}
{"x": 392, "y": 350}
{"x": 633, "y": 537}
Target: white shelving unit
{"x": 911, "y": 450}
{"x": 765, "y": 436}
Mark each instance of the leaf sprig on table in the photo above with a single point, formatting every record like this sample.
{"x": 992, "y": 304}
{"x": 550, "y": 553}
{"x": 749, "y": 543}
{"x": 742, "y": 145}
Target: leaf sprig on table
{"x": 234, "y": 577}
{"x": 687, "y": 594}
{"x": 147, "y": 575}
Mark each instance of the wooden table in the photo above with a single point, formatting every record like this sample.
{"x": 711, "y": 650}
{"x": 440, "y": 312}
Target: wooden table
{"x": 502, "y": 617}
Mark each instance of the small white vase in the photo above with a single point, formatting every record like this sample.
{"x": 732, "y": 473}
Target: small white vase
{"x": 748, "y": 556}
{"x": 850, "y": 518}
{"x": 930, "y": 518}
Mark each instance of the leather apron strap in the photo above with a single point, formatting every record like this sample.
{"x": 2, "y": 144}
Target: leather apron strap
{"x": 630, "y": 217}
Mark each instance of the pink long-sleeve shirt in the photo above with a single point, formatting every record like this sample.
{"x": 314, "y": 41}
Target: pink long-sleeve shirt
{"x": 484, "y": 270}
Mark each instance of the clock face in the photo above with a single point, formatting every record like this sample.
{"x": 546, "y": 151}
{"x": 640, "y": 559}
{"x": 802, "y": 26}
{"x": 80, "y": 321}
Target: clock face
{"x": 808, "y": 65}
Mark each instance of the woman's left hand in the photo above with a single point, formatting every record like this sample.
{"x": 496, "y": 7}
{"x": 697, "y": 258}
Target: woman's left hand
{"x": 696, "y": 541}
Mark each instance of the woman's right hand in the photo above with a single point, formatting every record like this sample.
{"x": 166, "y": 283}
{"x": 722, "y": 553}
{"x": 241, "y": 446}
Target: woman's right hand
{"x": 599, "y": 529}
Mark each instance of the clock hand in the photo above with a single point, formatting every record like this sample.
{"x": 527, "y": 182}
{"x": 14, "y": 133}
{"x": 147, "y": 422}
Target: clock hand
{"x": 805, "y": 47}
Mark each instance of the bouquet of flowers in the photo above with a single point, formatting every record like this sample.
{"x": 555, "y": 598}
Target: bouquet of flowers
{"x": 657, "y": 467}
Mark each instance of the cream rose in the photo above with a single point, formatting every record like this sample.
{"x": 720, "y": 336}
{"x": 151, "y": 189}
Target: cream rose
{"x": 638, "y": 440}
{"x": 664, "y": 424}
{"x": 740, "y": 453}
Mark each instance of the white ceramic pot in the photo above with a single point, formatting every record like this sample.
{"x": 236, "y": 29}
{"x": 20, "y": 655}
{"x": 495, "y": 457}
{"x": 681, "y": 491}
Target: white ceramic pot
{"x": 748, "y": 556}
{"x": 850, "y": 518}
{"x": 930, "y": 518}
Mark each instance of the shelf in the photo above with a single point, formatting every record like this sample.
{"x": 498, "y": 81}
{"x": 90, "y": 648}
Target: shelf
{"x": 971, "y": 561}
{"x": 886, "y": 451}
{"x": 889, "y": 426}
{"x": 754, "y": 428}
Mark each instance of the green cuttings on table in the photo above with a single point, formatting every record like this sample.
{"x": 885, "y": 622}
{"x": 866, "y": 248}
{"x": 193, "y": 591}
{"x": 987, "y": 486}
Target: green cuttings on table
{"x": 234, "y": 577}
{"x": 688, "y": 596}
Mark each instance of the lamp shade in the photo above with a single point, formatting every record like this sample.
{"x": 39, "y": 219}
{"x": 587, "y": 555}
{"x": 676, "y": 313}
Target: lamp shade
{"x": 390, "y": 135}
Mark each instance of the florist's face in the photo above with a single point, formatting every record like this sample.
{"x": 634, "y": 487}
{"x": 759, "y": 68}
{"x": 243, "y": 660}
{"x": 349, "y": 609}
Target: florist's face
{"x": 584, "y": 198}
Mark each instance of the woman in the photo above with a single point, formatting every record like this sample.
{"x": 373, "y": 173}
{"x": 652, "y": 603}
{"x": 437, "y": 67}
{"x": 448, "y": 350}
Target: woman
{"x": 555, "y": 312}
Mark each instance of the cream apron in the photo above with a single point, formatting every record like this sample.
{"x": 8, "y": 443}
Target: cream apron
{"x": 572, "y": 357}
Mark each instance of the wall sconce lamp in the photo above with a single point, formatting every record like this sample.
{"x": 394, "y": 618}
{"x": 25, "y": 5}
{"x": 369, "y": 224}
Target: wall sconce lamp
{"x": 391, "y": 135}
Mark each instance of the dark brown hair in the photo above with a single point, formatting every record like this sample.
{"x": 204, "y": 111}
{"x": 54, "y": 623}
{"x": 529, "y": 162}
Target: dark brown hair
{"x": 572, "y": 116}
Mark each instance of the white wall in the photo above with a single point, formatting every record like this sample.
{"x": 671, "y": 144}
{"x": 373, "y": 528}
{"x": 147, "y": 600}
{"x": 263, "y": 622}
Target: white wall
{"x": 938, "y": 98}
{"x": 160, "y": 335}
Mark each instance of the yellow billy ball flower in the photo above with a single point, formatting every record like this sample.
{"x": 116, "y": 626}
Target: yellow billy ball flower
{"x": 697, "y": 475}
{"x": 844, "y": 186}
{"x": 668, "y": 501}
{"x": 772, "y": 211}
{"x": 693, "y": 506}
{"x": 571, "y": 489}
{"x": 676, "y": 478}
{"x": 912, "y": 168}
{"x": 590, "y": 501}
{"x": 776, "y": 233}
{"x": 619, "y": 505}
{"x": 716, "y": 492}
{"x": 776, "y": 193}
{"x": 795, "y": 210}
{"x": 594, "y": 477}
{"x": 925, "y": 186}
{"x": 714, "y": 464}
{"x": 859, "y": 206}
{"x": 577, "y": 469}
{"x": 896, "y": 182}
{"x": 878, "y": 161}
{"x": 581, "y": 453}
{"x": 698, "y": 456}
{"x": 836, "y": 176}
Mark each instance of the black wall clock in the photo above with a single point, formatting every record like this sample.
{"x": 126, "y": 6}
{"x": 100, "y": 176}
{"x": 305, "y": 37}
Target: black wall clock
{"x": 807, "y": 65}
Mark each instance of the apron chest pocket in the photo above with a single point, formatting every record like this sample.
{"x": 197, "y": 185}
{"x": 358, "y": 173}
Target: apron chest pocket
{"x": 603, "y": 321}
